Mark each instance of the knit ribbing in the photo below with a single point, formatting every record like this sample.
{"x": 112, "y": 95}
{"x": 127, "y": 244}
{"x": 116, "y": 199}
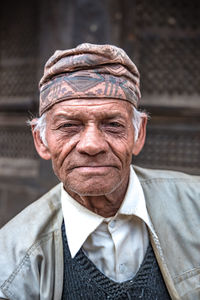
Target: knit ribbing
{"x": 83, "y": 281}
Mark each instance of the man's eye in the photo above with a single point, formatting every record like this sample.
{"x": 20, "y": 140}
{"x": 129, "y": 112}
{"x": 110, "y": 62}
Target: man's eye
{"x": 113, "y": 127}
{"x": 68, "y": 125}
{"x": 114, "y": 124}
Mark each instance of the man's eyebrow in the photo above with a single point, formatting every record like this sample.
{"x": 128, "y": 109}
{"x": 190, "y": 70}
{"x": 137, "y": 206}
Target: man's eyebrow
{"x": 104, "y": 115}
{"x": 114, "y": 116}
{"x": 64, "y": 116}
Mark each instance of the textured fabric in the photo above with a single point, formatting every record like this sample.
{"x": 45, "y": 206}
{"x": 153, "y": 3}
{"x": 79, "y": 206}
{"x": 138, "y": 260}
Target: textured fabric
{"x": 103, "y": 238}
{"x": 82, "y": 280}
{"x": 89, "y": 71}
{"x": 34, "y": 269}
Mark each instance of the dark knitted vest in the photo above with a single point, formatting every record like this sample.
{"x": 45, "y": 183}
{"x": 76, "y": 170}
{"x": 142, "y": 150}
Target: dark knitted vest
{"x": 83, "y": 281}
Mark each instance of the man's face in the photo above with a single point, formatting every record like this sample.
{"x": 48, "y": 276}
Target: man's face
{"x": 90, "y": 143}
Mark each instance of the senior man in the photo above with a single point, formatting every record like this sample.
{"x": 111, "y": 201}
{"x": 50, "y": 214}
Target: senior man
{"x": 108, "y": 230}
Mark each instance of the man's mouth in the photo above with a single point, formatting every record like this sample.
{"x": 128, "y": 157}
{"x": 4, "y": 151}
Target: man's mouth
{"x": 100, "y": 169}
{"x": 93, "y": 166}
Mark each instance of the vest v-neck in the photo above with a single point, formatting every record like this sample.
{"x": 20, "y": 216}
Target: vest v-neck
{"x": 83, "y": 280}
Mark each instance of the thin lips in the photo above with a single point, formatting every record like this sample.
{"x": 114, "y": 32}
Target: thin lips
{"x": 92, "y": 166}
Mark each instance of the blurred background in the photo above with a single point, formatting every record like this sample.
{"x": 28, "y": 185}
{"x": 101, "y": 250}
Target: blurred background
{"x": 162, "y": 38}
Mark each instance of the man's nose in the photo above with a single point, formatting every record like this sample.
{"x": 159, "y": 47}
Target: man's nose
{"x": 92, "y": 141}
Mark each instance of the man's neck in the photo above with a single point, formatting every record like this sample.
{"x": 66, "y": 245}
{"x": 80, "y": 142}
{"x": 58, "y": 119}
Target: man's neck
{"x": 103, "y": 205}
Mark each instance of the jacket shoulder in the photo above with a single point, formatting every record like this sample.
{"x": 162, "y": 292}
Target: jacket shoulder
{"x": 27, "y": 233}
{"x": 169, "y": 188}
{"x": 146, "y": 175}
{"x": 38, "y": 212}
{"x": 173, "y": 205}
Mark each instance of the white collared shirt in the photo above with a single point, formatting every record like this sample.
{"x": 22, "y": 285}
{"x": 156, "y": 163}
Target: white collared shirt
{"x": 116, "y": 245}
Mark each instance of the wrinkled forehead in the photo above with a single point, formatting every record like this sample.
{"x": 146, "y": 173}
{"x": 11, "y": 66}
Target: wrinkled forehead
{"x": 87, "y": 108}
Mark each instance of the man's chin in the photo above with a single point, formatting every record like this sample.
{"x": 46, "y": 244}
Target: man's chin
{"x": 91, "y": 190}
{"x": 91, "y": 193}
{"x": 96, "y": 185}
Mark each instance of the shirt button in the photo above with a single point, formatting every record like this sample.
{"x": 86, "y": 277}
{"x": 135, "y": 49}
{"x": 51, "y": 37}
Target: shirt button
{"x": 112, "y": 224}
{"x": 122, "y": 268}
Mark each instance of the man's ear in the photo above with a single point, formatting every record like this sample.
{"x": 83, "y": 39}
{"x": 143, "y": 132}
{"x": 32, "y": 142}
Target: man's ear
{"x": 41, "y": 148}
{"x": 139, "y": 143}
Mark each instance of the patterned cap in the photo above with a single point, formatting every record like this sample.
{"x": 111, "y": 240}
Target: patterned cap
{"x": 89, "y": 71}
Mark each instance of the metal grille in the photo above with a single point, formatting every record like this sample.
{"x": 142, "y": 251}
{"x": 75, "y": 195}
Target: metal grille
{"x": 17, "y": 80}
{"x": 170, "y": 66}
{"x": 172, "y": 148}
{"x": 18, "y": 70}
{"x": 16, "y": 142}
{"x": 168, "y": 43}
{"x": 18, "y": 53}
{"x": 179, "y": 14}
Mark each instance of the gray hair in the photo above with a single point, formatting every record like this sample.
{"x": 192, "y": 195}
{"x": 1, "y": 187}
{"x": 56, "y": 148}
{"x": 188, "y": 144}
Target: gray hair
{"x": 40, "y": 124}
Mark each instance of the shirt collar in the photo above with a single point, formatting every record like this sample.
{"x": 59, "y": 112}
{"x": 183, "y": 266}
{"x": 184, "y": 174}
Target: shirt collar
{"x": 81, "y": 222}
{"x": 134, "y": 201}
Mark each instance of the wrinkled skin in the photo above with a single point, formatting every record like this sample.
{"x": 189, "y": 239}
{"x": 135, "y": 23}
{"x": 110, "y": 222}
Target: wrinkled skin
{"x": 90, "y": 143}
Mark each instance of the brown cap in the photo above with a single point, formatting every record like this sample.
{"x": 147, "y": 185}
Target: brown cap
{"x": 89, "y": 71}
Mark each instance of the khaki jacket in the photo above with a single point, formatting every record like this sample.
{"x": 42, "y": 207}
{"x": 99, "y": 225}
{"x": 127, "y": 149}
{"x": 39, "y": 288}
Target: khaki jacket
{"x": 31, "y": 255}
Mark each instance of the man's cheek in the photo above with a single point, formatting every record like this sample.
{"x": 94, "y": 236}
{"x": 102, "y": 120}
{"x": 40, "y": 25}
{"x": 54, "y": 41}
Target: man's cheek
{"x": 58, "y": 169}
{"x": 125, "y": 156}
